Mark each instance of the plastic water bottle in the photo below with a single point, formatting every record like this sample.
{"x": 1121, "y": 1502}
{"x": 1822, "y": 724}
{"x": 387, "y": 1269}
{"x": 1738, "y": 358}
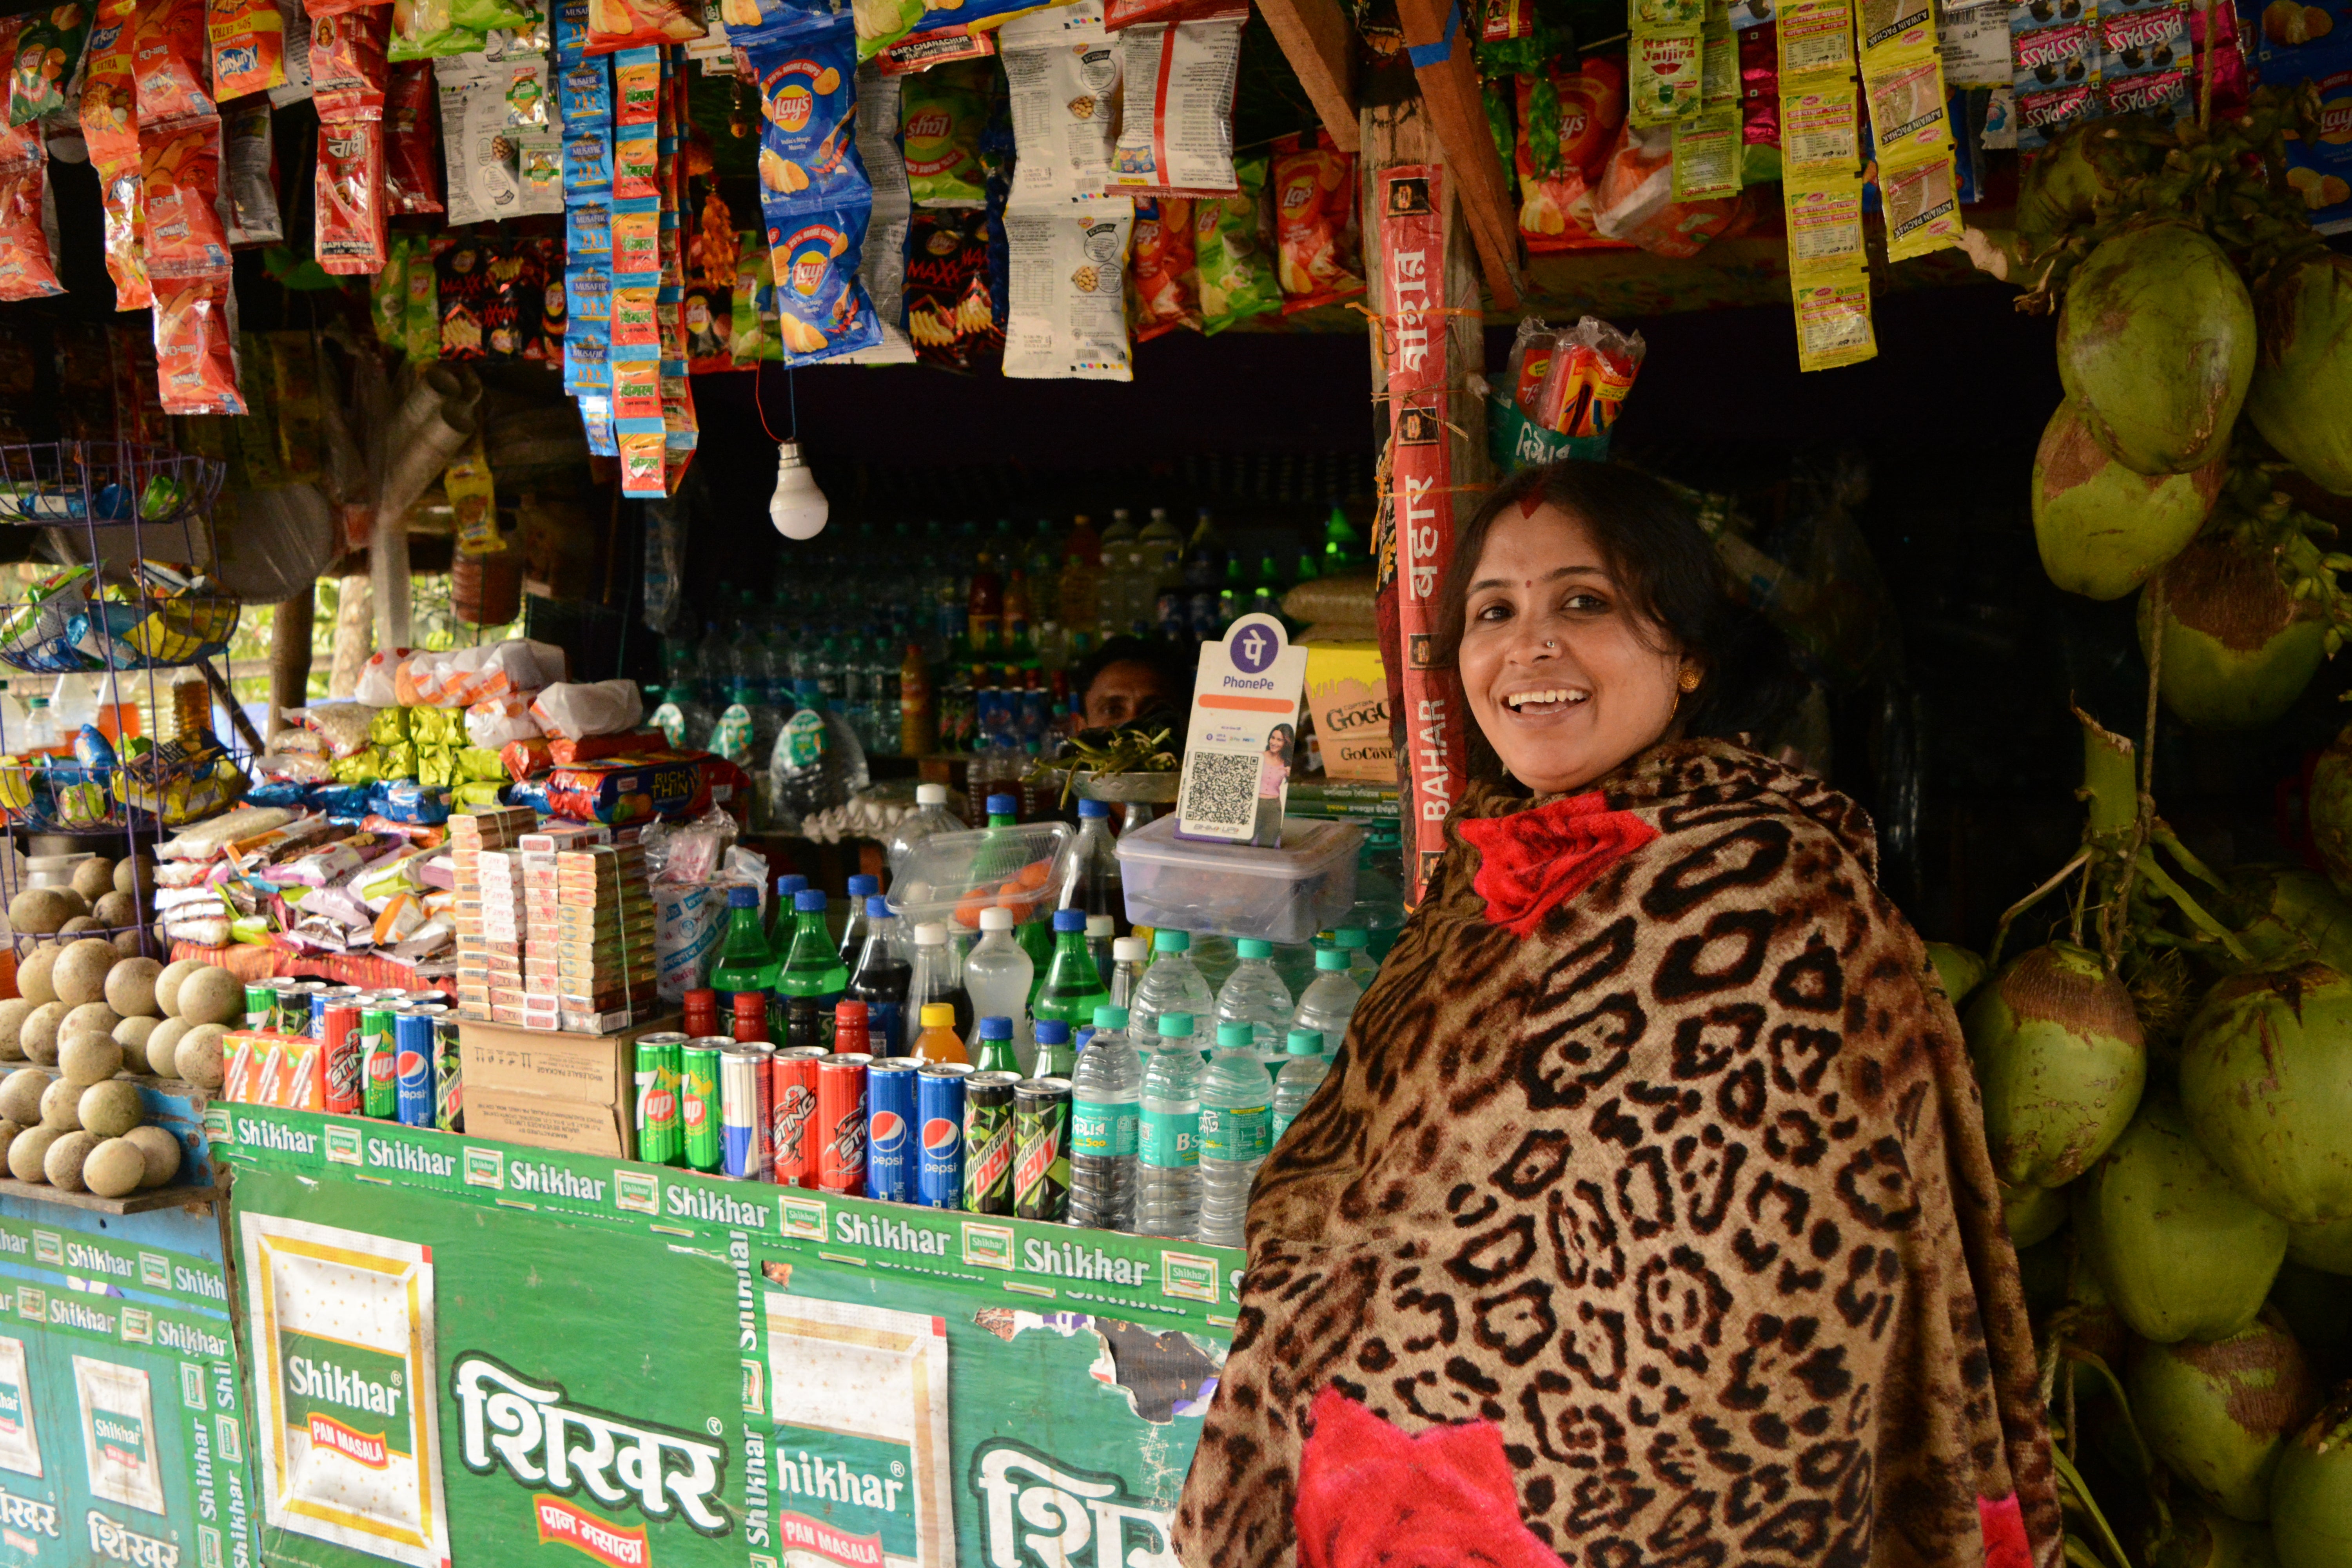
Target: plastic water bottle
{"x": 997, "y": 974}
{"x": 931, "y": 815}
{"x": 1128, "y": 954}
{"x": 1302, "y": 1074}
{"x": 1357, "y": 943}
{"x": 1099, "y": 930}
{"x": 1098, "y": 887}
{"x": 1214, "y": 956}
{"x": 1106, "y": 1107}
{"x": 1170, "y": 986}
{"x": 1168, "y": 1184}
{"x": 1236, "y": 1130}
{"x": 1327, "y": 1003}
{"x": 1255, "y": 994}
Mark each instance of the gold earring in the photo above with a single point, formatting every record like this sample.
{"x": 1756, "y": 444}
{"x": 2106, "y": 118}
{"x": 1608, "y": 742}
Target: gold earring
{"x": 1688, "y": 681}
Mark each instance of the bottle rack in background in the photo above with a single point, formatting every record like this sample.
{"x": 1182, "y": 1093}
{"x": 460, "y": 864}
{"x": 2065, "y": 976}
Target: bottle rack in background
{"x": 115, "y": 595}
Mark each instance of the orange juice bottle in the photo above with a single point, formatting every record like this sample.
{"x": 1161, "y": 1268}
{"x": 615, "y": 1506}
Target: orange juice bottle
{"x": 939, "y": 1042}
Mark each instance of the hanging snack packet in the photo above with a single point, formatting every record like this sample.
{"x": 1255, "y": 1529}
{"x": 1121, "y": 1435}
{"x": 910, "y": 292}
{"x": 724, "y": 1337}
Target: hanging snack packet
{"x": 429, "y": 29}
{"x": 1823, "y": 209}
{"x": 473, "y": 500}
{"x": 821, "y": 305}
{"x": 1706, "y": 156}
{"x": 248, "y": 47}
{"x": 1820, "y": 127}
{"x": 2144, "y": 60}
{"x": 878, "y": 115}
{"x": 1061, "y": 70}
{"x": 388, "y": 295}
{"x": 1664, "y": 75}
{"x": 942, "y": 113}
{"x": 421, "y": 322}
{"x": 125, "y": 238}
{"x": 180, "y": 173}
{"x": 28, "y": 221}
{"x": 1591, "y": 368}
{"x": 747, "y": 345}
{"x": 1566, "y": 123}
{"x": 109, "y": 126}
{"x": 2053, "y": 58}
{"x": 808, "y": 139}
{"x": 884, "y": 273}
{"x": 170, "y": 62}
{"x": 641, "y": 24}
{"x": 1833, "y": 326}
{"x": 410, "y": 183}
{"x": 1229, "y": 253}
{"x": 1161, "y": 296}
{"x": 1920, "y": 196}
{"x": 250, "y": 154}
{"x": 1176, "y": 132}
{"x": 1529, "y": 364}
{"x": 1906, "y": 105}
{"x": 1815, "y": 38}
{"x": 347, "y": 68}
{"x": 350, "y": 197}
{"x": 42, "y": 62}
{"x": 1317, "y": 241}
{"x": 945, "y": 250}
{"x": 1067, "y": 315}
{"x": 195, "y": 346}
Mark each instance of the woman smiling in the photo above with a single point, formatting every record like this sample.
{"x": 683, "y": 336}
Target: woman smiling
{"x": 1646, "y": 1217}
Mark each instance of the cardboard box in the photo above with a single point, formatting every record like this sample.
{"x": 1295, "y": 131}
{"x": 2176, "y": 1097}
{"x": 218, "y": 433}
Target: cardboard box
{"x": 1348, "y": 692}
{"x": 543, "y": 1121}
{"x": 595, "y": 1068}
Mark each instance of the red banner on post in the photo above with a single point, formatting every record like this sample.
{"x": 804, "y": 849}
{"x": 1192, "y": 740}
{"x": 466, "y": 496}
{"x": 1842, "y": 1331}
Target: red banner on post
{"x": 1421, "y": 498}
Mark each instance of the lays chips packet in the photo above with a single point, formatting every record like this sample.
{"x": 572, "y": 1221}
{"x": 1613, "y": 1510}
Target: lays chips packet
{"x": 820, "y": 306}
{"x": 1318, "y": 245}
{"x": 942, "y": 113}
{"x": 1229, "y": 253}
{"x": 43, "y": 60}
{"x": 808, "y": 141}
{"x": 1162, "y": 293}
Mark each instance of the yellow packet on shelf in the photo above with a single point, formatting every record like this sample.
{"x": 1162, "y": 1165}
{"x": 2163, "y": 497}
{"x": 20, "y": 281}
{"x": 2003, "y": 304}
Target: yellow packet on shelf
{"x": 1824, "y": 215}
{"x": 1907, "y": 112}
{"x": 1820, "y": 127}
{"x": 473, "y": 500}
{"x": 1662, "y": 70}
{"x": 1833, "y": 326}
{"x": 1815, "y": 38}
{"x": 1920, "y": 196}
{"x": 1706, "y": 156}
{"x": 1891, "y": 27}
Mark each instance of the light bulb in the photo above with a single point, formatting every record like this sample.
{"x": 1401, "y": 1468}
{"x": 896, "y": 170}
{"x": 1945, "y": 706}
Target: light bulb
{"x": 798, "y": 507}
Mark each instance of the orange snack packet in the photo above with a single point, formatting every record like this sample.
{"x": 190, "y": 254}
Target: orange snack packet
{"x": 171, "y": 63}
{"x": 1317, "y": 242}
{"x": 1162, "y": 292}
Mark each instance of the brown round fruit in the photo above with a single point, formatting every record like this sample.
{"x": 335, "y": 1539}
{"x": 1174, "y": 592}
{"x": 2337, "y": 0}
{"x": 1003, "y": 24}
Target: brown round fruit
{"x": 13, "y": 1013}
{"x": 113, "y": 1108}
{"x": 167, "y": 983}
{"x": 29, "y": 1152}
{"x": 131, "y": 987}
{"x": 89, "y": 1057}
{"x": 115, "y": 1168}
{"x": 212, "y": 995}
{"x": 114, "y": 910}
{"x": 20, "y": 1096}
{"x": 93, "y": 876}
{"x": 162, "y": 1149}
{"x": 40, "y": 911}
{"x": 62, "y": 1161}
{"x": 196, "y": 1059}
{"x": 132, "y": 1035}
{"x": 39, "y": 1033}
{"x": 61, "y": 1105}
{"x": 81, "y": 970}
{"x": 33, "y": 973}
{"x": 135, "y": 875}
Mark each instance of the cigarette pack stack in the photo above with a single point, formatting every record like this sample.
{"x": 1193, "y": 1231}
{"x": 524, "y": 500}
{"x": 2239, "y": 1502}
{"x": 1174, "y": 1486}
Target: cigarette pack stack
{"x": 490, "y": 909}
{"x": 588, "y": 951}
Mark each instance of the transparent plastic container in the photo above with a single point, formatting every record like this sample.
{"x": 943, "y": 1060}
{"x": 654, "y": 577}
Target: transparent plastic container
{"x": 1283, "y": 894}
{"x": 952, "y": 876}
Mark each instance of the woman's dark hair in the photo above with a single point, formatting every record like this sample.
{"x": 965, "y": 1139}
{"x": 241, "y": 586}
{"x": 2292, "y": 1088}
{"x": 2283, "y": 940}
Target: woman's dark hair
{"x": 1667, "y": 565}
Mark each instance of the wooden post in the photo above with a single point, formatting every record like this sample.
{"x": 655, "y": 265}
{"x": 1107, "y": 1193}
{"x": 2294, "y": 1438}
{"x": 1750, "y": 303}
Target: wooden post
{"x": 1319, "y": 42}
{"x": 1457, "y": 114}
{"x": 289, "y": 653}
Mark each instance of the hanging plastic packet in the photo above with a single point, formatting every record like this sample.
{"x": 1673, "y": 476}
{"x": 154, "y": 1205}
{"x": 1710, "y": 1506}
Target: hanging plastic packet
{"x": 1062, "y": 75}
{"x": 2055, "y": 60}
{"x": 1706, "y": 156}
{"x": 1162, "y": 295}
{"x": 1565, "y": 132}
{"x": 643, "y": 24}
{"x": 942, "y": 112}
{"x": 46, "y": 55}
{"x": 347, "y": 68}
{"x": 350, "y": 202}
{"x": 821, "y": 305}
{"x": 487, "y": 16}
{"x": 1920, "y": 197}
{"x": 420, "y": 321}
{"x": 1833, "y": 325}
{"x": 1229, "y": 253}
{"x": 808, "y": 144}
{"x": 249, "y": 154}
{"x": 1589, "y": 370}
{"x": 411, "y": 130}
{"x": 1067, "y": 314}
{"x": 1318, "y": 246}
{"x": 2144, "y": 60}
{"x": 429, "y": 29}
{"x": 388, "y": 295}
{"x": 1636, "y": 203}
{"x": 1759, "y": 84}
{"x": 180, "y": 181}
{"x": 1907, "y": 103}
{"x": 467, "y": 290}
{"x": 473, "y": 500}
{"x": 750, "y": 342}
{"x": 1820, "y": 127}
{"x": 1824, "y": 211}
{"x": 944, "y": 250}
{"x": 171, "y": 63}
{"x": 1718, "y": 82}
{"x": 28, "y": 222}
{"x": 588, "y": 326}
{"x": 1176, "y": 132}
{"x": 110, "y": 125}
{"x": 1664, "y": 74}
{"x": 248, "y": 47}
{"x": 195, "y": 346}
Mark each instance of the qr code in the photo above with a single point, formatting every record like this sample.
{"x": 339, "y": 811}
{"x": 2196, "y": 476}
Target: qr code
{"x": 1220, "y": 791}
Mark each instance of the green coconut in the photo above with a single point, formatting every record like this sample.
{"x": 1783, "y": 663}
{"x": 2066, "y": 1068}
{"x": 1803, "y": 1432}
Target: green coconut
{"x": 2061, "y": 188}
{"x": 2238, "y": 647}
{"x": 2206, "y": 1538}
{"x": 2219, "y": 1412}
{"x": 2266, "y": 1079}
{"x": 2031, "y": 1214}
{"x": 2156, "y": 346}
{"x": 1958, "y": 970}
{"x": 2104, "y": 529}
{"x": 2326, "y": 1248}
{"x": 2180, "y": 1251}
{"x": 2302, "y": 374}
{"x": 2311, "y": 1490}
{"x": 2060, "y": 1060}
{"x": 2288, "y": 915}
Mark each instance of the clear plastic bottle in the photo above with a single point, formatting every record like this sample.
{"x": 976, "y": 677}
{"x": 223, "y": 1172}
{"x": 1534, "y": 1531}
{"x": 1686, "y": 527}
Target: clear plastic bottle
{"x": 1170, "y": 986}
{"x": 1127, "y": 957}
{"x": 1167, "y": 1171}
{"x": 1357, "y": 943}
{"x": 880, "y": 978}
{"x": 1100, "y": 934}
{"x": 1326, "y": 1005}
{"x": 1097, "y": 887}
{"x": 1057, "y": 1058}
{"x": 931, "y": 815}
{"x": 1236, "y": 1130}
{"x": 1106, "y": 1109}
{"x": 853, "y": 929}
{"x": 1255, "y": 994}
{"x": 997, "y": 973}
{"x": 934, "y": 979}
{"x": 1303, "y": 1071}
{"x": 1073, "y": 986}
{"x": 1214, "y": 956}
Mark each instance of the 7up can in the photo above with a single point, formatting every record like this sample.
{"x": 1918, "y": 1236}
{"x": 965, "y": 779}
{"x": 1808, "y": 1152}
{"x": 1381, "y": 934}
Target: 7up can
{"x": 378, "y": 1097}
{"x": 660, "y": 1060}
{"x": 698, "y": 1103}
{"x": 988, "y": 1141}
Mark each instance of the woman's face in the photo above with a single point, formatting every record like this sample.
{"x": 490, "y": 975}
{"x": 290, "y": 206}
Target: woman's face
{"x": 1565, "y": 677}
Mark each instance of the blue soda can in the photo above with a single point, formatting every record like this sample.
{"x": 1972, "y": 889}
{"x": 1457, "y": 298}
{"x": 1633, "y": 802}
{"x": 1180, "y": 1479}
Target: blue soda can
{"x": 318, "y": 1029}
{"x": 939, "y": 1118}
{"x": 890, "y": 1130}
{"x": 412, "y": 1043}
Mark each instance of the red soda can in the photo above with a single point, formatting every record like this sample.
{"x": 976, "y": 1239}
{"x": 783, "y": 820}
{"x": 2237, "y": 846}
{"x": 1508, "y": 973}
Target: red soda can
{"x": 750, "y": 1016}
{"x": 849, "y": 1027}
{"x": 341, "y": 1042}
{"x": 841, "y": 1123}
{"x": 791, "y": 1111}
{"x": 701, "y": 1012}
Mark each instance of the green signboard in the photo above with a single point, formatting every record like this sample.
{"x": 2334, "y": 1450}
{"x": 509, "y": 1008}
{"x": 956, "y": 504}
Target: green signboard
{"x": 646, "y": 1366}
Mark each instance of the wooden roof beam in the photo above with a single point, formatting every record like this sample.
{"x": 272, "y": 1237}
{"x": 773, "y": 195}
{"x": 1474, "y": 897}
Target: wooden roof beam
{"x": 1438, "y": 33}
{"x": 1319, "y": 42}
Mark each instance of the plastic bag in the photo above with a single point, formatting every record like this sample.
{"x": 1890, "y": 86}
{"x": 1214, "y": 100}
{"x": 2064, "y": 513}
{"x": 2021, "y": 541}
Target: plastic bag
{"x": 636, "y": 23}
{"x": 1636, "y": 200}
{"x": 377, "y": 687}
{"x": 1176, "y": 132}
{"x": 250, "y": 157}
{"x": 572, "y": 711}
{"x": 195, "y": 346}
{"x": 502, "y": 720}
{"x": 348, "y": 65}
{"x": 342, "y": 726}
{"x": 170, "y": 62}
{"x": 412, "y": 134}
{"x": 1589, "y": 370}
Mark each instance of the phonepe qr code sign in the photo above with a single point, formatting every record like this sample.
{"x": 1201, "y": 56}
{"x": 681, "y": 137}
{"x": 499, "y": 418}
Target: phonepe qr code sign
{"x": 1220, "y": 795}
{"x": 1243, "y": 732}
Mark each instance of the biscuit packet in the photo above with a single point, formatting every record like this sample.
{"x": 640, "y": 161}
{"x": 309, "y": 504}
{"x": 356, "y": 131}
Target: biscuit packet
{"x": 1318, "y": 245}
{"x": 1176, "y": 125}
{"x": 42, "y": 58}
{"x": 2054, "y": 50}
{"x": 1162, "y": 290}
{"x": 942, "y": 113}
{"x": 1229, "y": 253}
{"x": 248, "y": 47}
{"x": 1067, "y": 318}
{"x": 1062, "y": 77}
{"x": 822, "y": 307}
{"x": 809, "y": 157}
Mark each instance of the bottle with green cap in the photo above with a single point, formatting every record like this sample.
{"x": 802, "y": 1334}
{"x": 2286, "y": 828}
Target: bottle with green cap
{"x": 1168, "y": 1186}
{"x": 1255, "y": 994}
{"x": 1329, "y": 999}
{"x": 1170, "y": 986}
{"x": 1357, "y": 943}
{"x": 1236, "y": 1130}
{"x": 1304, "y": 1069}
{"x": 1106, "y": 1095}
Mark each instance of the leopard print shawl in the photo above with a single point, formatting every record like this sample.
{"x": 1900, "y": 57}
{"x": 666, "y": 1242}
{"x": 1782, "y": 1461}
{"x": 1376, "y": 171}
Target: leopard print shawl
{"x": 1658, "y": 1151}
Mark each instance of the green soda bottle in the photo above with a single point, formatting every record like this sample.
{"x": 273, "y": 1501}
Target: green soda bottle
{"x": 744, "y": 962}
{"x": 812, "y": 977}
{"x": 1072, "y": 987}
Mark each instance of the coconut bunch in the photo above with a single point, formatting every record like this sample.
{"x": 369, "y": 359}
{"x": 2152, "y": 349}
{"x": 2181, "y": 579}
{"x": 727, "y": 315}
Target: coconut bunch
{"x": 93, "y": 1024}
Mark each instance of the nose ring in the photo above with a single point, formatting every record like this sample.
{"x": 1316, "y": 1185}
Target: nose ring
{"x": 1549, "y": 643}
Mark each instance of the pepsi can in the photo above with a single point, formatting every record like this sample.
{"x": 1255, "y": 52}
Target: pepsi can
{"x": 939, "y": 1120}
{"x": 890, "y": 1136}
{"x": 412, "y": 1035}
{"x": 746, "y": 1149}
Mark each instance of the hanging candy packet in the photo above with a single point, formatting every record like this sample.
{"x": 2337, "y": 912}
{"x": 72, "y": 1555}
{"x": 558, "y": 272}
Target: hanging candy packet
{"x": 820, "y": 306}
{"x": 248, "y": 47}
{"x": 195, "y": 346}
{"x": 942, "y": 112}
{"x": 1229, "y": 253}
{"x": 411, "y": 123}
{"x": 28, "y": 222}
{"x": 808, "y": 144}
{"x": 42, "y": 62}
{"x": 169, "y": 58}
{"x": 1176, "y": 130}
{"x": 1706, "y": 156}
{"x": 180, "y": 173}
{"x": 1162, "y": 294}
{"x": 249, "y": 154}
{"x": 429, "y": 29}
{"x": 348, "y": 65}
{"x": 350, "y": 238}
{"x": 1317, "y": 241}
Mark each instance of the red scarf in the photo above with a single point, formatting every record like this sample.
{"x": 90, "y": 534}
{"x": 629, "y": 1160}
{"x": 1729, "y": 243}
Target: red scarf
{"x": 1531, "y": 860}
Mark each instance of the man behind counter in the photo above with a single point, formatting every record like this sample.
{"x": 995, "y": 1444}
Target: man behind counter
{"x": 1128, "y": 677}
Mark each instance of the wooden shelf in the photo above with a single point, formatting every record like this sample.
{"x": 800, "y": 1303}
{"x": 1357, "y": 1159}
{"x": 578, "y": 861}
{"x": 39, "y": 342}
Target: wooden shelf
{"x": 139, "y": 1201}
